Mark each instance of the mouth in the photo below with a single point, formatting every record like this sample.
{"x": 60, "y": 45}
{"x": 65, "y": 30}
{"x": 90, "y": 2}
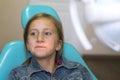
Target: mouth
{"x": 40, "y": 47}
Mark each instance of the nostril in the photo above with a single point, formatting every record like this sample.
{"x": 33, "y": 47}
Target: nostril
{"x": 40, "y": 39}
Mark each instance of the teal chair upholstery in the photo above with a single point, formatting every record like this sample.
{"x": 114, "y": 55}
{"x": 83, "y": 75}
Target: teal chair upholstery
{"x": 29, "y": 11}
{"x": 14, "y": 54}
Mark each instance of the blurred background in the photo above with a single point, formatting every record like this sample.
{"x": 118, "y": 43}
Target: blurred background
{"x": 92, "y": 26}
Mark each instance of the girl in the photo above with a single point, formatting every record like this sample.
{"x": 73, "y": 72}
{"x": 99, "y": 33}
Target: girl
{"x": 43, "y": 37}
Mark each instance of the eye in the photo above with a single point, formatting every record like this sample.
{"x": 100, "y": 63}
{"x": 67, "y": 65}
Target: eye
{"x": 48, "y": 33}
{"x": 34, "y": 33}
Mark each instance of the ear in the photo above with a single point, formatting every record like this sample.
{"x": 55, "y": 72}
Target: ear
{"x": 59, "y": 45}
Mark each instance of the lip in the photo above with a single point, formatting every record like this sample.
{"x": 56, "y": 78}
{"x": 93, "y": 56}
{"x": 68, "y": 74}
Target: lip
{"x": 40, "y": 47}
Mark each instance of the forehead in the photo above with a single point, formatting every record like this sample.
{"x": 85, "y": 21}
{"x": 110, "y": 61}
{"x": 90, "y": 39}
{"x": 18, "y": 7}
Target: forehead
{"x": 41, "y": 23}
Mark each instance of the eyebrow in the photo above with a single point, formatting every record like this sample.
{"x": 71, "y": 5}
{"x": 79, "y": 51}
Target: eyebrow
{"x": 48, "y": 29}
{"x": 33, "y": 30}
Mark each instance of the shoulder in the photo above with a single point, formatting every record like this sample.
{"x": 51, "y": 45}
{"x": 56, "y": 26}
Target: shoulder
{"x": 78, "y": 70}
{"x": 84, "y": 72}
{"x": 18, "y": 72}
{"x": 21, "y": 68}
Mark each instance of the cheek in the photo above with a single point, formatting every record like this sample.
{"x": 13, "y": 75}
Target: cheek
{"x": 53, "y": 43}
{"x": 30, "y": 45}
{"x": 50, "y": 43}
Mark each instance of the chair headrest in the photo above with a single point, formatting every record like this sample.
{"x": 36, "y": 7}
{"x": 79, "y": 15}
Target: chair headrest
{"x": 31, "y": 10}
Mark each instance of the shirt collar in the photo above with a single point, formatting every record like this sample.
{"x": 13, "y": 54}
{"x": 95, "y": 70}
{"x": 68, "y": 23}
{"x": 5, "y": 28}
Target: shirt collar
{"x": 61, "y": 62}
{"x": 69, "y": 64}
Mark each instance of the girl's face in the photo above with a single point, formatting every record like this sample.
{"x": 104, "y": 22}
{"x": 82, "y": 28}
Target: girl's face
{"x": 43, "y": 41}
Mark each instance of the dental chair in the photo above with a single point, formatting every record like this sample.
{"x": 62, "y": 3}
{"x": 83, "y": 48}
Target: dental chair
{"x": 14, "y": 54}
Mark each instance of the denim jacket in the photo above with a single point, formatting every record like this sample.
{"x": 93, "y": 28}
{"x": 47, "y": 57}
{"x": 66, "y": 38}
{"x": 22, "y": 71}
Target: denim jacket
{"x": 65, "y": 71}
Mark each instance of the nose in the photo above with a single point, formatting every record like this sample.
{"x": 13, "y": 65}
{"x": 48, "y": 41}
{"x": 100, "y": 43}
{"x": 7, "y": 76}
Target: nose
{"x": 40, "y": 38}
